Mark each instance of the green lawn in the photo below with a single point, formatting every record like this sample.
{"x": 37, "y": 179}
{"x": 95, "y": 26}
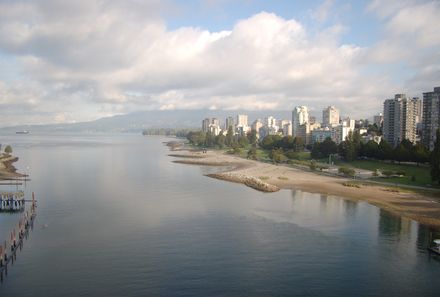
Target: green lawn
{"x": 303, "y": 155}
{"x": 421, "y": 173}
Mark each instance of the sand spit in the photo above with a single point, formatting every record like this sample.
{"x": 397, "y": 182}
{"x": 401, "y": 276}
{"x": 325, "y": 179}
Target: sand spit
{"x": 186, "y": 156}
{"x": 269, "y": 178}
{"x": 7, "y": 169}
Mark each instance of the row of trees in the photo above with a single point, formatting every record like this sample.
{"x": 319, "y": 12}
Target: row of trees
{"x": 166, "y": 132}
{"x": 285, "y": 143}
{"x": 353, "y": 148}
{"x": 207, "y": 139}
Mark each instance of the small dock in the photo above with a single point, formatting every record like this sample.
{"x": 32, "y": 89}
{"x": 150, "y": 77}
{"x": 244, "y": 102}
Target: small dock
{"x": 12, "y": 201}
{"x": 8, "y": 250}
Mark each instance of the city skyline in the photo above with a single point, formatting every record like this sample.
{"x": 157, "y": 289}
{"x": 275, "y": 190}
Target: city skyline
{"x": 75, "y": 61}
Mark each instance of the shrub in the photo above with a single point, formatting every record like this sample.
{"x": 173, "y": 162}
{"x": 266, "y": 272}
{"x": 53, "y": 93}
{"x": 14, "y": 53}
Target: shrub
{"x": 351, "y": 185}
{"x": 237, "y": 150}
{"x": 252, "y": 154}
{"x": 387, "y": 173}
{"x": 292, "y": 155}
{"x": 347, "y": 171}
{"x": 8, "y": 149}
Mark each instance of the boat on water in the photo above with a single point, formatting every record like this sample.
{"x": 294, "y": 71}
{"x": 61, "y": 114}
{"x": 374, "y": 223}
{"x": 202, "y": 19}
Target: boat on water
{"x": 436, "y": 247}
{"x": 22, "y": 132}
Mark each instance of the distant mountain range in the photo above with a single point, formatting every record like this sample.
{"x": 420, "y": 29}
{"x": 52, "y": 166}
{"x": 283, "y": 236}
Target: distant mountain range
{"x": 138, "y": 121}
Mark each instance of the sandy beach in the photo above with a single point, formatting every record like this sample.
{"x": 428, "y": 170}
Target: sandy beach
{"x": 269, "y": 178}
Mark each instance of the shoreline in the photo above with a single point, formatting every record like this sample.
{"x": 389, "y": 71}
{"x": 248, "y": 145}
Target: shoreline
{"x": 267, "y": 177}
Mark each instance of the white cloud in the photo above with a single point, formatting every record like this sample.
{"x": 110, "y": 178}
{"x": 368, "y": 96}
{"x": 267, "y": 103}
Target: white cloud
{"x": 411, "y": 40}
{"x": 83, "y": 59}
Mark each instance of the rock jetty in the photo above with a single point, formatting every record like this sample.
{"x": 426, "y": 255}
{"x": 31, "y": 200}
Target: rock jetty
{"x": 249, "y": 181}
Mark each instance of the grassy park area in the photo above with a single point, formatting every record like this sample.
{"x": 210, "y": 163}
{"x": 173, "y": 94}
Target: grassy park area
{"x": 414, "y": 175}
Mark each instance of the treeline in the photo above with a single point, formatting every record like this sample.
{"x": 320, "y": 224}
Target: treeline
{"x": 167, "y": 132}
{"x": 280, "y": 148}
{"x": 353, "y": 148}
{"x": 286, "y": 143}
{"x": 207, "y": 139}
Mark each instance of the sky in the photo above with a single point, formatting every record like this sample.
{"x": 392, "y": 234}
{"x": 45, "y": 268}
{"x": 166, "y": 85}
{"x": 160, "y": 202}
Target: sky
{"x": 80, "y": 60}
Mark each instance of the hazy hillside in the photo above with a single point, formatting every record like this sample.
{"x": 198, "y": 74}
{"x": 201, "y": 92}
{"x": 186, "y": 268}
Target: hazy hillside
{"x": 137, "y": 121}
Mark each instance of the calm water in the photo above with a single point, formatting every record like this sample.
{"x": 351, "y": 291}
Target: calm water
{"x": 122, "y": 220}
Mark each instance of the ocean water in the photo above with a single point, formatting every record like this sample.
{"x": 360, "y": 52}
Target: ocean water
{"x": 117, "y": 218}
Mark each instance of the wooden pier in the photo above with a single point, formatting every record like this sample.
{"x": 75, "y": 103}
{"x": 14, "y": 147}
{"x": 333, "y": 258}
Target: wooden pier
{"x": 8, "y": 250}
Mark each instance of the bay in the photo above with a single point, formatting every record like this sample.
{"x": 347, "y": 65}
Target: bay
{"x": 117, "y": 218}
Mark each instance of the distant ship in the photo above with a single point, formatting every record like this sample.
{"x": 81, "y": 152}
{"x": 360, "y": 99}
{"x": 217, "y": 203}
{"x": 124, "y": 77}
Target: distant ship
{"x": 22, "y": 132}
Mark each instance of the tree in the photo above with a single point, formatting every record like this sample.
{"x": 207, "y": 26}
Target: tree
{"x": 298, "y": 144}
{"x": 316, "y": 151}
{"x": 328, "y": 147}
{"x": 374, "y": 129}
{"x": 349, "y": 149}
{"x": 324, "y": 149}
{"x": 252, "y": 154}
{"x": 435, "y": 159}
{"x": 270, "y": 142}
{"x": 288, "y": 142}
{"x": 210, "y": 139}
{"x": 220, "y": 140}
{"x": 421, "y": 154}
{"x": 229, "y": 137}
{"x": 385, "y": 150}
{"x": 252, "y": 136}
{"x": 8, "y": 149}
{"x": 401, "y": 153}
{"x": 277, "y": 155}
{"x": 243, "y": 141}
{"x": 370, "y": 149}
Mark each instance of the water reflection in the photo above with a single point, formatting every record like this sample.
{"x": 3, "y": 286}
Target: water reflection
{"x": 350, "y": 207}
{"x": 126, "y": 221}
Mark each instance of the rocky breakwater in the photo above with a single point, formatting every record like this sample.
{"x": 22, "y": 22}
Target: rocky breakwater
{"x": 249, "y": 181}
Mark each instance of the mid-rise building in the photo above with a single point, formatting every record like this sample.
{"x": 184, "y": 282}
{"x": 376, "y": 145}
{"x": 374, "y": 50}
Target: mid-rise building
{"x": 330, "y": 116}
{"x": 242, "y": 120}
{"x": 337, "y": 133}
{"x": 270, "y": 121}
{"x": 265, "y": 131}
{"x": 229, "y": 122}
{"x": 242, "y": 127}
{"x": 215, "y": 121}
{"x": 400, "y": 115}
{"x": 211, "y": 125}
{"x": 378, "y": 120}
{"x": 256, "y": 125}
{"x": 287, "y": 127}
{"x": 319, "y": 135}
{"x": 205, "y": 125}
{"x": 300, "y": 116}
{"x": 341, "y": 131}
{"x": 431, "y": 117}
